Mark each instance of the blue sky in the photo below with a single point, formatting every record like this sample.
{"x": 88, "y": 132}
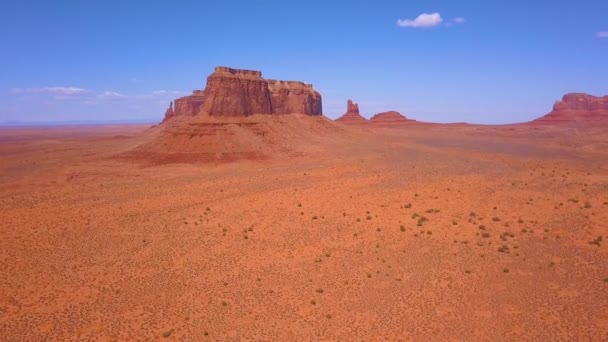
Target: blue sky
{"x": 475, "y": 61}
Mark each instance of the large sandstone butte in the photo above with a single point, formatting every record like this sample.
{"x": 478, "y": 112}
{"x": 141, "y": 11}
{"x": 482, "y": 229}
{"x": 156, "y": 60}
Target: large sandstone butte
{"x": 578, "y": 108}
{"x": 234, "y": 92}
{"x": 390, "y": 118}
{"x": 239, "y": 116}
{"x": 352, "y": 115}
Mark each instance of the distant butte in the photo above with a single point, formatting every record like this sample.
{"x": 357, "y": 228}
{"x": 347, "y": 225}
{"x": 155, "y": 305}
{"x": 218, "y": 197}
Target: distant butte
{"x": 578, "y": 108}
{"x": 390, "y": 118}
{"x": 352, "y": 115}
{"x": 235, "y": 92}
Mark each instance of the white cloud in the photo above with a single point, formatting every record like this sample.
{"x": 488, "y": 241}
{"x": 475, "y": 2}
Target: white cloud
{"x": 602, "y": 34}
{"x": 163, "y": 92}
{"x": 112, "y": 95}
{"x": 64, "y": 90}
{"x": 459, "y": 20}
{"x": 92, "y": 97}
{"x": 423, "y": 20}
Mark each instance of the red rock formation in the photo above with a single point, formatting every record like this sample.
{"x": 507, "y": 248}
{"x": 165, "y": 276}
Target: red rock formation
{"x": 352, "y": 107}
{"x": 352, "y": 115}
{"x": 235, "y": 92}
{"x": 390, "y": 118}
{"x": 169, "y": 112}
{"x": 232, "y": 92}
{"x": 189, "y": 105}
{"x": 576, "y": 108}
{"x": 294, "y": 97}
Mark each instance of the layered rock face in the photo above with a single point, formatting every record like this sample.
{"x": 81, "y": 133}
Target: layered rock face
{"x": 578, "y": 108}
{"x": 390, "y": 118}
{"x": 294, "y": 97}
{"x": 234, "y": 92}
{"x": 231, "y": 92}
{"x": 352, "y": 114}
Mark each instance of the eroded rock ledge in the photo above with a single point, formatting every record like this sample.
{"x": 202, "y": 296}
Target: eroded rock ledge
{"x": 578, "y": 108}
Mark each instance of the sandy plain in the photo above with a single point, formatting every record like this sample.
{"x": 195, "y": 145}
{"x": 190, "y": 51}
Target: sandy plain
{"x": 425, "y": 233}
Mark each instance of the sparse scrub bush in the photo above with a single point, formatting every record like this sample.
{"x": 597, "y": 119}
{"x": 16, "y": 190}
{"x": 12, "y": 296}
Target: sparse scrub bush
{"x": 503, "y": 249}
{"x": 597, "y": 241}
{"x": 421, "y": 220}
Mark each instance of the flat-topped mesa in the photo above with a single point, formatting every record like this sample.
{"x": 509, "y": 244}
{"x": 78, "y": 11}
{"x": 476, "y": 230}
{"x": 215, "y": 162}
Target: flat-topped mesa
{"x": 237, "y": 92}
{"x": 352, "y": 115}
{"x": 578, "y": 108}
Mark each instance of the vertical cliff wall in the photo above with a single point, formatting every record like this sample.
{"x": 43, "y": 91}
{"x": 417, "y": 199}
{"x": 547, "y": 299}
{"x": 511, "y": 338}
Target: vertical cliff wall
{"x": 294, "y": 97}
{"x": 236, "y": 92}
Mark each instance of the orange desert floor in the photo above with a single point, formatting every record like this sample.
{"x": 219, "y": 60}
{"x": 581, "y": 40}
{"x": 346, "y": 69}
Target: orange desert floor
{"x": 425, "y": 233}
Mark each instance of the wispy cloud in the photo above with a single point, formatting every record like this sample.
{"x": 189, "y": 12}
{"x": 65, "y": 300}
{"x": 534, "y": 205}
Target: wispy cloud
{"x": 459, "y": 20}
{"x": 91, "y": 96}
{"x": 423, "y": 20}
{"x": 165, "y": 92}
{"x": 59, "y": 102}
{"x": 64, "y": 90}
{"x": 108, "y": 94}
{"x": 602, "y": 34}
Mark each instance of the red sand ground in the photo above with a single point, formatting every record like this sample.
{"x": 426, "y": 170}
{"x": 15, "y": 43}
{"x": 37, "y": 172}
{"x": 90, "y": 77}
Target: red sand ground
{"x": 96, "y": 245}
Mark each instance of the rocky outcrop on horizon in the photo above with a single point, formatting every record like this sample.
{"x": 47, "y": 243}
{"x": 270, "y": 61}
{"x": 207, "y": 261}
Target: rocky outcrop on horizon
{"x": 352, "y": 114}
{"x": 578, "y": 108}
{"x": 235, "y": 92}
{"x": 390, "y": 118}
